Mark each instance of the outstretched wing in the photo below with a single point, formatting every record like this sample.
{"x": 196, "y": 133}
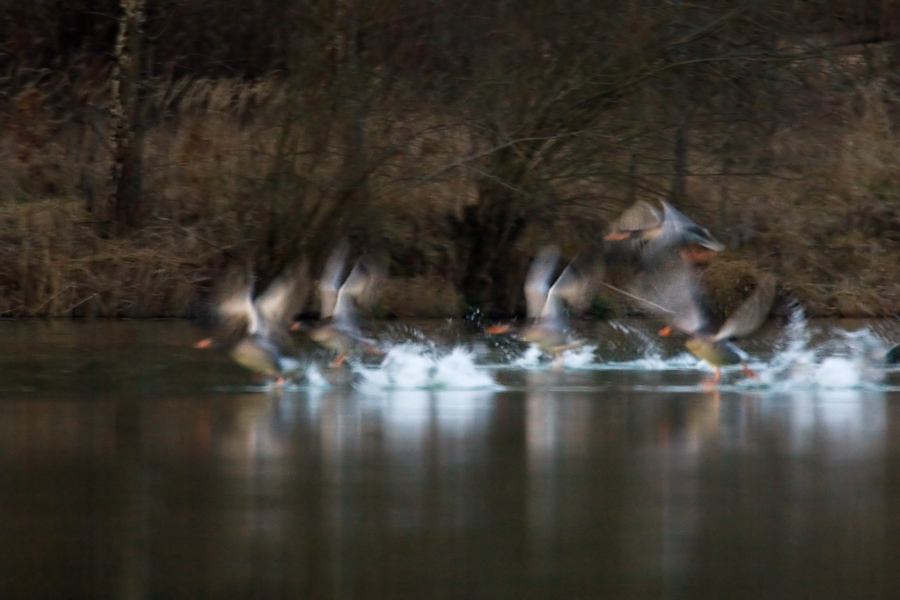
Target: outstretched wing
{"x": 671, "y": 291}
{"x": 575, "y": 287}
{"x": 752, "y": 313}
{"x": 689, "y": 232}
{"x": 286, "y": 295}
{"x": 233, "y": 302}
{"x": 361, "y": 289}
{"x": 537, "y": 282}
{"x": 677, "y": 233}
{"x": 639, "y": 217}
{"x": 330, "y": 282}
{"x": 627, "y": 236}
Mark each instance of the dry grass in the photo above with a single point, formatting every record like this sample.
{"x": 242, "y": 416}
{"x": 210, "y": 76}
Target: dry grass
{"x": 828, "y": 223}
{"x": 227, "y": 170}
{"x": 426, "y": 297}
{"x": 224, "y": 171}
{"x": 52, "y": 265}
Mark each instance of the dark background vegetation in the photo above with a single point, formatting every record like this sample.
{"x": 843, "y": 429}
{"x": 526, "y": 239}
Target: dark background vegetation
{"x": 457, "y": 136}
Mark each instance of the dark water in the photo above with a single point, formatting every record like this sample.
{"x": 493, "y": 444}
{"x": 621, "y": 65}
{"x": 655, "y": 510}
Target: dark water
{"x": 134, "y": 466}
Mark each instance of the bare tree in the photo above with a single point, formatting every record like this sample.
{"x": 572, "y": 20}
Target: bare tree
{"x": 124, "y": 204}
{"x": 559, "y": 95}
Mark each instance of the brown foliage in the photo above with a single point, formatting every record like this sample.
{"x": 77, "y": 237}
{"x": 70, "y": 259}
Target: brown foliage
{"x": 461, "y": 140}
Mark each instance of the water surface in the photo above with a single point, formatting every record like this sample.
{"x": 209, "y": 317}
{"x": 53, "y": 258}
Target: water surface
{"x": 132, "y": 465}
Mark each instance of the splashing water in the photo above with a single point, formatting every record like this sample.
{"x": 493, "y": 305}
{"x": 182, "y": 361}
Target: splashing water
{"x": 412, "y": 366}
{"x": 579, "y": 357}
{"x": 576, "y": 358}
{"x": 530, "y": 359}
{"x": 648, "y": 345}
{"x": 788, "y": 360}
{"x": 866, "y": 356}
{"x": 796, "y": 336}
{"x": 851, "y": 360}
{"x": 836, "y": 372}
{"x": 794, "y": 363}
{"x": 315, "y": 378}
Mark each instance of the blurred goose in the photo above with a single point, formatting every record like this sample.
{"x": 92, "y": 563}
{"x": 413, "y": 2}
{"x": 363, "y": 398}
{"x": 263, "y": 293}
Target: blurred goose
{"x": 643, "y": 234}
{"x": 546, "y": 304}
{"x": 254, "y": 331}
{"x": 673, "y": 294}
{"x": 342, "y": 299}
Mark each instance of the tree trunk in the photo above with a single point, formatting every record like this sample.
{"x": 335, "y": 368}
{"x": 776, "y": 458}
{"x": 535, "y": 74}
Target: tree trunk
{"x": 124, "y": 207}
{"x": 725, "y": 199}
{"x": 485, "y": 235}
{"x": 679, "y": 181}
{"x": 632, "y": 180}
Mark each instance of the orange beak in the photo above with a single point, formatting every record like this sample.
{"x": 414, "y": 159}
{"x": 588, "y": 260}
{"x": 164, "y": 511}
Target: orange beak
{"x": 296, "y": 326}
{"x": 204, "y": 343}
{"x": 697, "y": 254}
{"x": 665, "y": 331}
{"x": 617, "y": 236}
{"x": 498, "y": 329}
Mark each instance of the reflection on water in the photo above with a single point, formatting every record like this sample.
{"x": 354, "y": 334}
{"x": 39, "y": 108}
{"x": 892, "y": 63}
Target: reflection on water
{"x": 151, "y": 470}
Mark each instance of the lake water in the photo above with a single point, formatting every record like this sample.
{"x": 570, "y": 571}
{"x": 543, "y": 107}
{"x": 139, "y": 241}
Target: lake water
{"x": 133, "y": 466}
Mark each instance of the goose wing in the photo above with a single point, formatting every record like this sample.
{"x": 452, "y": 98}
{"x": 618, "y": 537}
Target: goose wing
{"x": 235, "y": 313}
{"x": 537, "y": 282}
{"x": 627, "y": 236}
{"x": 361, "y": 289}
{"x": 671, "y": 291}
{"x": 752, "y": 313}
{"x": 575, "y": 287}
{"x": 638, "y": 218}
{"x": 286, "y": 295}
{"x": 679, "y": 230}
{"x": 330, "y": 282}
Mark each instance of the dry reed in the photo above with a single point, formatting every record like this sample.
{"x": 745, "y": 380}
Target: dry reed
{"x": 232, "y": 166}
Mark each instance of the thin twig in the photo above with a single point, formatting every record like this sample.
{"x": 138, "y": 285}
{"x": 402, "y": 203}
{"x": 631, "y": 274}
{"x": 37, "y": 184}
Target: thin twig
{"x": 638, "y": 298}
{"x": 80, "y": 302}
{"x": 51, "y": 298}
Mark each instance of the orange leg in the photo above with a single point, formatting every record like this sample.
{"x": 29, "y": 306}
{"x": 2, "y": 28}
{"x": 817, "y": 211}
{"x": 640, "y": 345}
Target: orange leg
{"x": 749, "y": 372}
{"x": 713, "y": 382}
{"x": 558, "y": 362}
{"x": 339, "y": 361}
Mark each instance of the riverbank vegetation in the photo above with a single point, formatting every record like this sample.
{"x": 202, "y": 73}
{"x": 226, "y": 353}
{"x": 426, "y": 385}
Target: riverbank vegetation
{"x": 459, "y": 137}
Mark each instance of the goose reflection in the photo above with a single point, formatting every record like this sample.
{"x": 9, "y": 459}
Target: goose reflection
{"x": 558, "y": 430}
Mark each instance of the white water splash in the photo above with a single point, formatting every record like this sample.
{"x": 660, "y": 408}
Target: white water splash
{"x": 581, "y": 357}
{"x": 796, "y": 336}
{"x": 530, "y": 359}
{"x": 849, "y": 360}
{"x": 413, "y": 366}
{"x": 315, "y": 378}
{"x": 790, "y": 361}
{"x": 648, "y": 345}
{"x": 535, "y": 358}
{"x": 458, "y": 370}
{"x": 680, "y": 362}
{"x": 837, "y": 372}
